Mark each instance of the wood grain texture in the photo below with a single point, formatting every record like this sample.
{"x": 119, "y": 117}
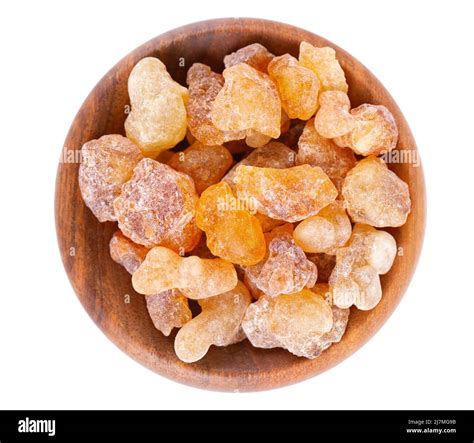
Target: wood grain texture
{"x": 102, "y": 284}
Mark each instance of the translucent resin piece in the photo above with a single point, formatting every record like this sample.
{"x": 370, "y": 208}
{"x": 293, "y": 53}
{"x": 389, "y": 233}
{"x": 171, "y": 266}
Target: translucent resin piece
{"x": 157, "y": 120}
{"x": 291, "y": 194}
{"x": 107, "y": 163}
{"x": 156, "y": 207}
{"x": 355, "y": 278}
{"x": 219, "y": 324}
{"x": 375, "y": 195}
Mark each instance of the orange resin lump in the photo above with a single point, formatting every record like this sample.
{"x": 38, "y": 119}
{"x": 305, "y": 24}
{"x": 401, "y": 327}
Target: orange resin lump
{"x": 290, "y": 194}
{"x": 298, "y": 86}
{"x": 323, "y": 62}
{"x": 333, "y": 118}
{"x": 206, "y": 165}
{"x": 232, "y": 232}
{"x": 248, "y": 101}
{"x": 195, "y": 277}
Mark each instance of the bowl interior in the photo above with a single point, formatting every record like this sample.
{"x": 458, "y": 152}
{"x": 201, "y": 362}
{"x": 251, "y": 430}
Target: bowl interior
{"x": 104, "y": 287}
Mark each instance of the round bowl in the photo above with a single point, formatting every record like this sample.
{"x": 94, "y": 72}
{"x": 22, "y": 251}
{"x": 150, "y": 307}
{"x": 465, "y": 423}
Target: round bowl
{"x": 102, "y": 285}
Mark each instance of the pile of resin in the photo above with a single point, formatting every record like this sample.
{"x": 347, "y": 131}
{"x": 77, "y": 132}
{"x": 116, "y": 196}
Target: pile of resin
{"x": 269, "y": 220}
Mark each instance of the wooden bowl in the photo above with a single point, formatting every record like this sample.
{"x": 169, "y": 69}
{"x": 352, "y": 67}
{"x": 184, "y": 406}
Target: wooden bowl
{"x": 102, "y": 285}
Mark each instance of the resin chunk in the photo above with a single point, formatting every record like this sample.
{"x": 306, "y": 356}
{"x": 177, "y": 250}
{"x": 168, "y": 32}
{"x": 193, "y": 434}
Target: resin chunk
{"x": 286, "y": 270}
{"x": 291, "y": 194}
{"x": 204, "y": 85}
{"x": 156, "y": 207}
{"x": 219, "y": 324}
{"x": 333, "y": 118}
{"x": 107, "y": 163}
{"x": 293, "y": 322}
{"x": 255, "y": 55}
{"x": 195, "y": 277}
{"x": 315, "y": 150}
{"x": 325, "y": 232}
{"x": 273, "y": 155}
{"x": 206, "y": 165}
{"x": 340, "y": 319}
{"x": 168, "y": 310}
{"x": 232, "y": 232}
{"x": 323, "y": 62}
{"x": 298, "y": 86}
{"x": 375, "y": 131}
{"x": 157, "y": 120}
{"x": 248, "y": 101}
{"x": 355, "y": 278}
{"x": 375, "y": 195}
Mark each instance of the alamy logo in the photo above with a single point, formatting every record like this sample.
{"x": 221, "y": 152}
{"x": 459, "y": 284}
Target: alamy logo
{"x": 43, "y": 426}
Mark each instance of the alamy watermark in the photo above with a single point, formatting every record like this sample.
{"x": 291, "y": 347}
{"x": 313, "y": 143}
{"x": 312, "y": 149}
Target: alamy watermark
{"x": 408, "y": 156}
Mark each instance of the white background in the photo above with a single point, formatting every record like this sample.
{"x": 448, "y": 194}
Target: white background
{"x": 51, "y": 353}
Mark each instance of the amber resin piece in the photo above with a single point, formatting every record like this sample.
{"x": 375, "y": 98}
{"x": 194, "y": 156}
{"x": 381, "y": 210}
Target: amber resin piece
{"x": 255, "y": 55}
{"x": 168, "y": 309}
{"x": 291, "y": 194}
{"x": 107, "y": 163}
{"x": 323, "y": 62}
{"x": 324, "y": 263}
{"x": 157, "y": 120}
{"x": 206, "y": 165}
{"x": 126, "y": 253}
{"x": 204, "y": 85}
{"x": 294, "y": 322}
{"x": 375, "y": 131}
{"x": 340, "y": 319}
{"x": 156, "y": 207}
{"x": 333, "y": 118}
{"x": 286, "y": 270}
{"x": 248, "y": 101}
{"x": 375, "y": 195}
{"x": 298, "y": 86}
{"x": 325, "y": 232}
{"x": 273, "y": 155}
{"x": 355, "y": 278}
{"x": 315, "y": 150}
{"x": 232, "y": 232}
{"x": 195, "y": 277}
{"x": 219, "y": 324}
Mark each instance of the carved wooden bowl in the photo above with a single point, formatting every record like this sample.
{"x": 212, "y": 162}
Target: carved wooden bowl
{"x": 101, "y": 284}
